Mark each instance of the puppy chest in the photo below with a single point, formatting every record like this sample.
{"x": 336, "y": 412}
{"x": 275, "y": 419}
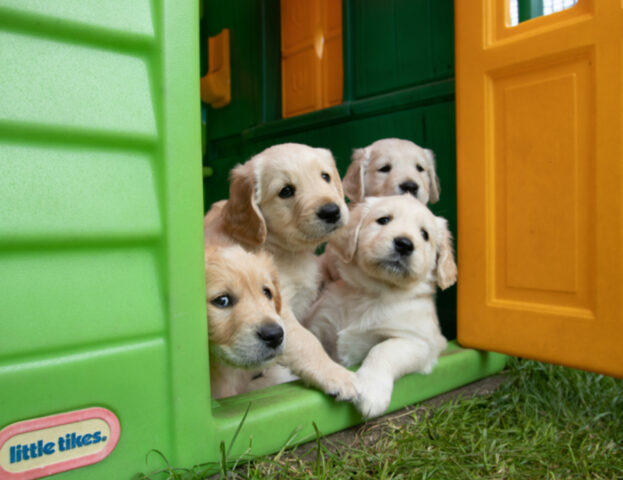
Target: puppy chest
{"x": 299, "y": 280}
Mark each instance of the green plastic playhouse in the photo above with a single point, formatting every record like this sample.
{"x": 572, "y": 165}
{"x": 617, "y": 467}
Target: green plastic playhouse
{"x": 102, "y": 192}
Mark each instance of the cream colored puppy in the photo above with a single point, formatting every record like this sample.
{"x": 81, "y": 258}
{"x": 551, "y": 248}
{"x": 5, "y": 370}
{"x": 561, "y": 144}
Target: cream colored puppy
{"x": 392, "y": 166}
{"x": 382, "y": 312}
{"x": 246, "y": 331}
{"x": 287, "y": 200}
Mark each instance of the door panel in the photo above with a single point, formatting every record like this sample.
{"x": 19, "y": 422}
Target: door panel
{"x": 542, "y": 237}
{"x": 311, "y": 55}
{"x": 539, "y": 183}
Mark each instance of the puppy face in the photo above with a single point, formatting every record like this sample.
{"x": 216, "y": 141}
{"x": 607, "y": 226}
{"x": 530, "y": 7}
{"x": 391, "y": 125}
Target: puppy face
{"x": 290, "y": 195}
{"x": 398, "y": 241}
{"x": 244, "y": 303}
{"x": 392, "y": 167}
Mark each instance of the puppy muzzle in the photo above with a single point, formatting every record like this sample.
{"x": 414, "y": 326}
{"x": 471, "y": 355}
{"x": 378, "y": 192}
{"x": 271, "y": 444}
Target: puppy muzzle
{"x": 395, "y": 265}
{"x": 256, "y": 347}
{"x": 322, "y": 222}
{"x": 398, "y": 260}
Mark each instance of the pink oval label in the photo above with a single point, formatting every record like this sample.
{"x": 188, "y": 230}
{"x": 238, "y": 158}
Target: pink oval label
{"x": 48, "y": 445}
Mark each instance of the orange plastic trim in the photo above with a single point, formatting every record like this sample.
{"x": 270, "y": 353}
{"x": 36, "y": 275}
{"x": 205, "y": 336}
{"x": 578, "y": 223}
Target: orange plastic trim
{"x": 216, "y": 84}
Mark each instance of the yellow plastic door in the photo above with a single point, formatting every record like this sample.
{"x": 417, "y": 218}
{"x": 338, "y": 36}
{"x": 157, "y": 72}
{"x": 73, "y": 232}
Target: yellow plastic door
{"x": 311, "y": 55}
{"x": 539, "y": 183}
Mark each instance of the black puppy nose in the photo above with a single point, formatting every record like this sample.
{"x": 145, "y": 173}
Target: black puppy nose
{"x": 271, "y": 335}
{"x": 409, "y": 187}
{"x": 403, "y": 246}
{"x": 329, "y": 213}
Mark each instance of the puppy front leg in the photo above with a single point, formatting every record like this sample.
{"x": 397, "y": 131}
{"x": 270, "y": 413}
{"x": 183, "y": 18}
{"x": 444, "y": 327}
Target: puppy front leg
{"x": 306, "y": 358}
{"x": 386, "y": 362}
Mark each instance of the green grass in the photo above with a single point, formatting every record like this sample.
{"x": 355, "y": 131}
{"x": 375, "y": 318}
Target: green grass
{"x": 543, "y": 422}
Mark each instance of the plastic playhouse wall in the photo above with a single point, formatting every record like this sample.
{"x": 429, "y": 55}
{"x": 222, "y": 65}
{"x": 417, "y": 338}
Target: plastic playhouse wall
{"x": 102, "y": 302}
{"x": 101, "y": 278}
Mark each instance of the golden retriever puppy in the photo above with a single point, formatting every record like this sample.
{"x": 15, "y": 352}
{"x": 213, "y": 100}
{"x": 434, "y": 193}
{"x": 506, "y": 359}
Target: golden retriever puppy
{"x": 382, "y": 312}
{"x": 245, "y": 328}
{"x": 392, "y": 166}
{"x": 287, "y": 200}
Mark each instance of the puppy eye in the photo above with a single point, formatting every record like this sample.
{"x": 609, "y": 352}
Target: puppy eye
{"x": 326, "y": 177}
{"x": 383, "y": 220}
{"x": 385, "y": 168}
{"x": 287, "y": 191}
{"x": 268, "y": 293}
{"x": 424, "y": 234}
{"x": 419, "y": 168}
{"x": 222, "y": 301}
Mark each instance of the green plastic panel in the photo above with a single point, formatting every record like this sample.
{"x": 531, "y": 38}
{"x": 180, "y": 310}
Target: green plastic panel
{"x": 400, "y": 43}
{"x": 101, "y": 243}
{"x": 102, "y": 194}
{"x": 113, "y": 293}
{"x": 125, "y": 17}
{"x": 107, "y": 376}
{"x": 73, "y": 85}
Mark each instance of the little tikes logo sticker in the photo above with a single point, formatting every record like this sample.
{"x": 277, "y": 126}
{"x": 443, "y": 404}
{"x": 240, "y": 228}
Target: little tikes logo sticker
{"x": 47, "y": 445}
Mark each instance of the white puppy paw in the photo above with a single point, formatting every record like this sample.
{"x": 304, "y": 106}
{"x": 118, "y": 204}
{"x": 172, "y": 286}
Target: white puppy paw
{"x": 375, "y": 393}
{"x": 342, "y": 385}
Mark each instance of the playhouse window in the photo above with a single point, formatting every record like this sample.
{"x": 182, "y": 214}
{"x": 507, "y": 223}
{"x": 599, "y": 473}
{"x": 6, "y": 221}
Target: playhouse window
{"x": 522, "y": 10}
{"x": 311, "y": 55}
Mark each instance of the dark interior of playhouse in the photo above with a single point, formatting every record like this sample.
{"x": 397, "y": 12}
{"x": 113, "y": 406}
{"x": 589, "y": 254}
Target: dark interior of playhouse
{"x": 385, "y": 69}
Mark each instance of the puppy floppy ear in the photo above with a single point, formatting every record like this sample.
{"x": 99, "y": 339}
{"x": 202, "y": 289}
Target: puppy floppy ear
{"x": 354, "y": 180}
{"x": 446, "y": 267}
{"x": 344, "y": 242}
{"x": 241, "y": 215}
{"x": 434, "y": 188}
